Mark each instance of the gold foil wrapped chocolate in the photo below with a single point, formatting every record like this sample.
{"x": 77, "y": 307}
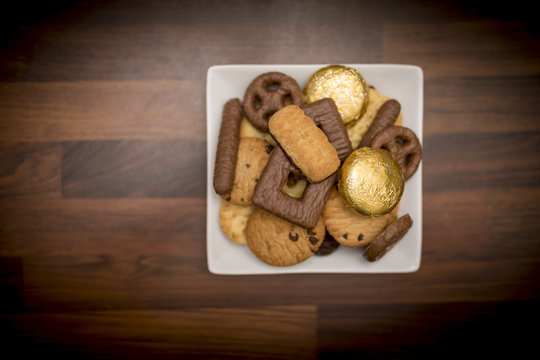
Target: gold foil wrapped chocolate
{"x": 344, "y": 85}
{"x": 371, "y": 181}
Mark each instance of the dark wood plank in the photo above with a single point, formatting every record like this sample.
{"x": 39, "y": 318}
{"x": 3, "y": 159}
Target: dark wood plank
{"x": 30, "y": 169}
{"x": 134, "y": 168}
{"x": 158, "y": 260}
{"x": 102, "y": 110}
{"x": 404, "y": 331}
{"x": 457, "y": 47}
{"x": 145, "y": 42}
{"x": 11, "y": 285}
{"x": 468, "y": 161}
{"x": 93, "y": 227}
{"x": 224, "y": 333}
{"x": 481, "y": 104}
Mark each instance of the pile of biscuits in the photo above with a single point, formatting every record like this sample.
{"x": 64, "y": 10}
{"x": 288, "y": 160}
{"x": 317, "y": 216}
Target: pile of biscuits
{"x": 276, "y": 170}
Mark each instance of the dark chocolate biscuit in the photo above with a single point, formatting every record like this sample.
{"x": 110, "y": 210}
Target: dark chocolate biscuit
{"x": 227, "y": 147}
{"x": 268, "y": 192}
{"x": 388, "y": 238}
{"x": 326, "y": 116}
{"x": 268, "y": 93}
{"x": 387, "y": 115}
{"x": 404, "y": 146}
{"x": 328, "y": 246}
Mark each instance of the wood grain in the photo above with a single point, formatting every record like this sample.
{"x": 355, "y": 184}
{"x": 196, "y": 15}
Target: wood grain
{"x": 192, "y": 333}
{"x": 30, "y": 169}
{"x": 102, "y": 110}
{"x": 103, "y": 182}
{"x": 134, "y": 168}
{"x": 480, "y": 330}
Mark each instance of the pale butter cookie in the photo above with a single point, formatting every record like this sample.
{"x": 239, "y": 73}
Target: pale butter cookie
{"x": 253, "y": 154}
{"x": 279, "y": 242}
{"x": 349, "y": 228}
{"x": 247, "y": 130}
{"x": 233, "y": 219}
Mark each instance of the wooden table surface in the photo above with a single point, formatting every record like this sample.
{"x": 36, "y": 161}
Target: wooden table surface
{"x": 103, "y": 182}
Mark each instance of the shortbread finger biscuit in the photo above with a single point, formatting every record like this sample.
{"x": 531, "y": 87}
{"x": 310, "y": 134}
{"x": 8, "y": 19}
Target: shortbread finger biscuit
{"x": 279, "y": 242}
{"x": 253, "y": 155}
{"x": 233, "y": 219}
{"x": 349, "y": 228}
{"x": 304, "y": 143}
{"x": 357, "y": 131}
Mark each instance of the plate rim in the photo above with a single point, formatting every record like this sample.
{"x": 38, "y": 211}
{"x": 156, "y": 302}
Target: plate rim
{"x": 212, "y": 266}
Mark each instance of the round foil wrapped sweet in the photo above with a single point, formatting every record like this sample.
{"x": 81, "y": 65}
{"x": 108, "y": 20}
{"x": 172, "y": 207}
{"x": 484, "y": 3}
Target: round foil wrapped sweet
{"x": 371, "y": 181}
{"x": 344, "y": 85}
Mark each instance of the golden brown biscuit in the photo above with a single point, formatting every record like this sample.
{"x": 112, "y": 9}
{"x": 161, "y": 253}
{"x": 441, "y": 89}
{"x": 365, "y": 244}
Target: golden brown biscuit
{"x": 233, "y": 219}
{"x": 253, "y": 155}
{"x": 279, "y": 242}
{"x": 295, "y": 188}
{"x": 350, "y": 228}
{"x": 376, "y": 100}
{"x": 304, "y": 143}
{"x": 248, "y": 130}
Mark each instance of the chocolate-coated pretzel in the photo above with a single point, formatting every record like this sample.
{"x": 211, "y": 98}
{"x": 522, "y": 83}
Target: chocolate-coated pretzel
{"x": 404, "y": 146}
{"x": 268, "y": 93}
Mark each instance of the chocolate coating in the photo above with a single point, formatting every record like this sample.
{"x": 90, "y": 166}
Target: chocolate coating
{"x": 404, "y": 146}
{"x": 227, "y": 148}
{"x": 325, "y": 114}
{"x": 268, "y": 93}
{"x": 269, "y": 196}
{"x": 387, "y": 115}
{"x": 388, "y": 238}
{"x": 328, "y": 246}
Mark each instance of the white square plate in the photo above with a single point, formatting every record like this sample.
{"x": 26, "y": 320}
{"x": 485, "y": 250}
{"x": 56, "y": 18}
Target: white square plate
{"x": 401, "y": 82}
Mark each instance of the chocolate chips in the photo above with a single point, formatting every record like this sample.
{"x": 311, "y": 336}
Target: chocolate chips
{"x": 313, "y": 240}
{"x": 293, "y": 237}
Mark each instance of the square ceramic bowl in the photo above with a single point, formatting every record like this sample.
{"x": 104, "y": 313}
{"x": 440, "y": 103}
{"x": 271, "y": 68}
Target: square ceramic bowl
{"x": 401, "y": 82}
